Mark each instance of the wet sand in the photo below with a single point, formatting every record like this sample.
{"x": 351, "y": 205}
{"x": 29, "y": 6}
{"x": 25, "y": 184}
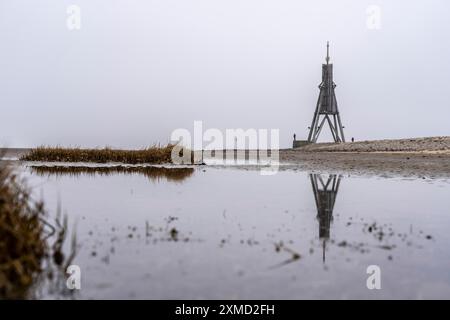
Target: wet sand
{"x": 418, "y": 157}
{"x": 421, "y": 165}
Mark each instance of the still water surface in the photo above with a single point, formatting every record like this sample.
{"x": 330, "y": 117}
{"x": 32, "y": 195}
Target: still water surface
{"x": 230, "y": 233}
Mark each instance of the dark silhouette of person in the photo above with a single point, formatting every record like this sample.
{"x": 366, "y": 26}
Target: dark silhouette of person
{"x": 294, "y": 136}
{"x": 353, "y": 139}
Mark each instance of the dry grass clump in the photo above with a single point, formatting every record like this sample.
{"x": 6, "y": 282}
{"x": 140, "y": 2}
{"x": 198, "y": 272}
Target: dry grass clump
{"x": 154, "y": 155}
{"x": 153, "y": 173}
{"x": 23, "y": 238}
{"x": 22, "y": 246}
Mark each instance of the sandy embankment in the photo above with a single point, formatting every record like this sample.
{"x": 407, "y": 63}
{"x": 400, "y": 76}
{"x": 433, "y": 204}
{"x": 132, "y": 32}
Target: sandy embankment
{"x": 419, "y": 157}
{"x": 427, "y": 145}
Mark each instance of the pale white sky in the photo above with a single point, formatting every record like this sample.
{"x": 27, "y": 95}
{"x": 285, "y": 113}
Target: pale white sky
{"x": 138, "y": 69}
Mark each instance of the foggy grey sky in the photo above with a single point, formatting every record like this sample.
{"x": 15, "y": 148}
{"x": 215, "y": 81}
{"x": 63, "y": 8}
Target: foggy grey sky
{"x": 139, "y": 69}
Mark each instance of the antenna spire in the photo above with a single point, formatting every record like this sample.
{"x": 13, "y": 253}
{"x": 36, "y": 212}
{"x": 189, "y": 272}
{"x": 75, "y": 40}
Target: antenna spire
{"x": 328, "y": 52}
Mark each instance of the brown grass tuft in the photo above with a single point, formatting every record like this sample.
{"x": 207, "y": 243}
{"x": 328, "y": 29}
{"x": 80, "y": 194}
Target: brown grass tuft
{"x": 154, "y": 155}
{"x": 24, "y": 245}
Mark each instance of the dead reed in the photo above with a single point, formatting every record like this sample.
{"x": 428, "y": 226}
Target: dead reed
{"x": 153, "y": 155}
{"x": 24, "y": 238}
{"x": 22, "y": 246}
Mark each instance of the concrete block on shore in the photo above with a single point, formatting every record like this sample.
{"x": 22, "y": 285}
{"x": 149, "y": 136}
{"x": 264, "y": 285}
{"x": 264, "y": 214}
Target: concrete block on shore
{"x": 299, "y": 143}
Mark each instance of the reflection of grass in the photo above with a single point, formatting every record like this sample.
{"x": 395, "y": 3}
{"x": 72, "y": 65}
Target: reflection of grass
{"x": 153, "y": 154}
{"x": 23, "y": 238}
{"x": 153, "y": 173}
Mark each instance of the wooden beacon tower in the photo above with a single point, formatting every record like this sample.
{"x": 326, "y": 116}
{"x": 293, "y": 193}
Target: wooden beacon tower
{"x": 327, "y": 108}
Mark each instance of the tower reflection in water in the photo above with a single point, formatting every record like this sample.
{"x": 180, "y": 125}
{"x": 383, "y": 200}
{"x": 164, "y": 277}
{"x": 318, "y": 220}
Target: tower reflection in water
{"x": 325, "y": 193}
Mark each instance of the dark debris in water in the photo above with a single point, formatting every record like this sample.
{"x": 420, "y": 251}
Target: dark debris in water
{"x": 152, "y": 235}
{"x": 385, "y": 236}
{"x": 281, "y": 247}
{"x": 166, "y": 234}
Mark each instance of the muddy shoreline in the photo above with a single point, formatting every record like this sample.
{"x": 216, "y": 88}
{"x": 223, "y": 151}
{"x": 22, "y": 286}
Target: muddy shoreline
{"x": 390, "y": 164}
{"x": 431, "y": 163}
{"x": 427, "y": 157}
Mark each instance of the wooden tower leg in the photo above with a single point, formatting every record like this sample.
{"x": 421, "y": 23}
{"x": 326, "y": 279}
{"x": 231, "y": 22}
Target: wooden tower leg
{"x": 312, "y": 129}
{"x": 338, "y": 137}
{"x": 318, "y": 129}
{"x": 341, "y": 128}
{"x": 314, "y": 123}
{"x": 333, "y": 130}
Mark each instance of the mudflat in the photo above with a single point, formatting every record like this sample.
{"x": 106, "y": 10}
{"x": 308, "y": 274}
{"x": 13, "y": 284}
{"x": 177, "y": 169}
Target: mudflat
{"x": 416, "y": 157}
{"x": 421, "y": 165}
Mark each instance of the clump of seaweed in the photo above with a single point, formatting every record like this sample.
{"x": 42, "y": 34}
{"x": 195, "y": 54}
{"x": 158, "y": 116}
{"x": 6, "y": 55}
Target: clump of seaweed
{"x": 153, "y": 173}
{"x": 24, "y": 232}
{"x": 154, "y": 154}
